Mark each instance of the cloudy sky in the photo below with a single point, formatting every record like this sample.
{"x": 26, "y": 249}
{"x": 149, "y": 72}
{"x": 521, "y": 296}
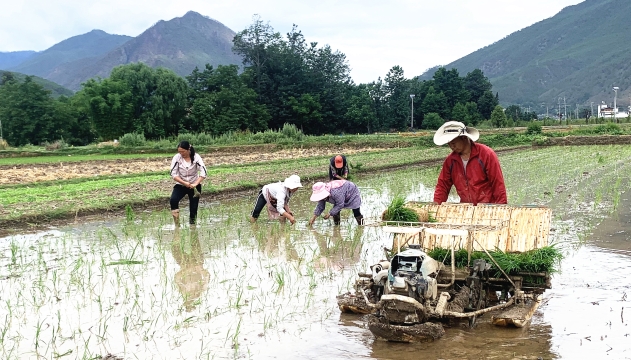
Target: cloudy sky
{"x": 374, "y": 34}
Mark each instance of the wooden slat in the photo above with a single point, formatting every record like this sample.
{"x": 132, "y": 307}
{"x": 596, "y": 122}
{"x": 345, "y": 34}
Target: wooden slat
{"x": 509, "y": 228}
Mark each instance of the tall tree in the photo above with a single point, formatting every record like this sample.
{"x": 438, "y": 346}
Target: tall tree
{"x": 221, "y": 102}
{"x": 498, "y": 117}
{"x": 158, "y": 98}
{"x": 27, "y": 113}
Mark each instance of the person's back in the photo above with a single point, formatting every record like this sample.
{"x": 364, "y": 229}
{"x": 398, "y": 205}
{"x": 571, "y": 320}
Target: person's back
{"x": 338, "y": 168}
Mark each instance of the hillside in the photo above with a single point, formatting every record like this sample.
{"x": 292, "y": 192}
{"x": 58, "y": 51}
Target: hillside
{"x": 179, "y": 44}
{"x": 83, "y": 47}
{"x": 56, "y": 90}
{"x": 14, "y": 58}
{"x": 579, "y": 54}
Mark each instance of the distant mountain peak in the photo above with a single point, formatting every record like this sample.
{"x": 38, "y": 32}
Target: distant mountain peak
{"x": 179, "y": 44}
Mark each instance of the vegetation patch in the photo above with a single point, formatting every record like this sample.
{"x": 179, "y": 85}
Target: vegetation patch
{"x": 545, "y": 259}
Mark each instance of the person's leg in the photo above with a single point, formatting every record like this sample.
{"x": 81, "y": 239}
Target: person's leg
{"x": 259, "y": 204}
{"x": 194, "y": 204}
{"x": 358, "y": 216}
{"x": 178, "y": 193}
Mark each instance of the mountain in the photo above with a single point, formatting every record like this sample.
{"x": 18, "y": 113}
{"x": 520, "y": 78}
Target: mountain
{"x": 179, "y": 44}
{"x": 56, "y": 90}
{"x": 579, "y": 54}
{"x": 86, "y": 47}
{"x": 14, "y": 58}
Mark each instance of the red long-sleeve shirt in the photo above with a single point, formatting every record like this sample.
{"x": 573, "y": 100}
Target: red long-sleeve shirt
{"x": 483, "y": 181}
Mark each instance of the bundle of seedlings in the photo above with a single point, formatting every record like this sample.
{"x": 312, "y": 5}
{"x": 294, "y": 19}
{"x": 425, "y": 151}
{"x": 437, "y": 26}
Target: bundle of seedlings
{"x": 397, "y": 211}
{"x": 541, "y": 260}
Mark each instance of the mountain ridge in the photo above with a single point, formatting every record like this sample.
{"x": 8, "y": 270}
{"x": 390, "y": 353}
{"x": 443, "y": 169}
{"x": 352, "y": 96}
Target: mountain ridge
{"x": 571, "y": 55}
{"x": 179, "y": 44}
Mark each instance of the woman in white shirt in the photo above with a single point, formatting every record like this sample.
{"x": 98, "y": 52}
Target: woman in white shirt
{"x": 188, "y": 171}
{"x": 276, "y": 196}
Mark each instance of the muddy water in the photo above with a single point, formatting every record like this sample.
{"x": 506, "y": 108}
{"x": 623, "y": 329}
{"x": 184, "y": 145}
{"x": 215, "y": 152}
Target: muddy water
{"x": 268, "y": 291}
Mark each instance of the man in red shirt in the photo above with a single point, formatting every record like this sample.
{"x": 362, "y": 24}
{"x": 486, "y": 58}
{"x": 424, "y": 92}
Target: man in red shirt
{"x": 472, "y": 168}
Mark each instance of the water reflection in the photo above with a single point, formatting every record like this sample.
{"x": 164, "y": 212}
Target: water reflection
{"x": 192, "y": 279}
{"x": 338, "y": 248}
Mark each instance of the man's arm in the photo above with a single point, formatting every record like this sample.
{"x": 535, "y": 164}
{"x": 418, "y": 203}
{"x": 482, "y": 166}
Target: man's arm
{"x": 494, "y": 173}
{"x": 443, "y": 185}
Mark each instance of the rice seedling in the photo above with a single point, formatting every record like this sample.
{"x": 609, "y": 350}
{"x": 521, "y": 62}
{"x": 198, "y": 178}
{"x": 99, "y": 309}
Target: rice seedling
{"x": 397, "y": 211}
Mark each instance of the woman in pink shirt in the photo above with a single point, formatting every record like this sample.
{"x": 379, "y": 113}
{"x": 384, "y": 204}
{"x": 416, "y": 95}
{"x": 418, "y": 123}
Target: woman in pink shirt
{"x": 188, "y": 171}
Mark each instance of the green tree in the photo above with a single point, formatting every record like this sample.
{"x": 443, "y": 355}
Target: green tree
{"x": 27, "y": 113}
{"x": 398, "y": 101}
{"x": 110, "y": 107}
{"x": 451, "y": 84}
{"x": 432, "y": 121}
{"x": 221, "y": 102}
{"x": 435, "y": 103}
{"x": 459, "y": 113}
{"x": 487, "y": 103}
{"x": 361, "y": 113}
{"x": 476, "y": 84}
{"x": 513, "y": 112}
{"x": 158, "y": 98}
{"x": 498, "y": 117}
{"x": 473, "y": 116}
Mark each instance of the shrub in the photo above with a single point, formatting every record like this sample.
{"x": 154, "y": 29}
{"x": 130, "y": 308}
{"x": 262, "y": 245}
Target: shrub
{"x": 292, "y": 132}
{"x": 4, "y": 145}
{"x": 267, "y": 137}
{"x": 534, "y": 128}
{"x": 197, "y": 139}
{"x": 55, "y": 145}
{"x": 133, "y": 139}
{"x": 432, "y": 121}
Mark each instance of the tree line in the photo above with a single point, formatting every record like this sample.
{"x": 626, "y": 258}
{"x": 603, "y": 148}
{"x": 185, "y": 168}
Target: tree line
{"x": 283, "y": 80}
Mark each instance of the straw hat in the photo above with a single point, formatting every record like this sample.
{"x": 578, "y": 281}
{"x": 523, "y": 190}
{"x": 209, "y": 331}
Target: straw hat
{"x": 292, "y": 182}
{"x": 319, "y": 191}
{"x": 451, "y": 130}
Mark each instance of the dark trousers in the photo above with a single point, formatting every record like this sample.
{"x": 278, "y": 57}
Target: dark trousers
{"x": 259, "y": 205}
{"x": 179, "y": 191}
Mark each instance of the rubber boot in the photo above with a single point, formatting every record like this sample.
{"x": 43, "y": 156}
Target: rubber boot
{"x": 360, "y": 219}
{"x": 336, "y": 219}
{"x": 176, "y": 217}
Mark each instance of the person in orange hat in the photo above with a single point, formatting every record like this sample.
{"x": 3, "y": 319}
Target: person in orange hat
{"x": 338, "y": 169}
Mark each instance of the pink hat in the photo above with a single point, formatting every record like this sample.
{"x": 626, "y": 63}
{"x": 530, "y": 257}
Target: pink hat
{"x": 319, "y": 191}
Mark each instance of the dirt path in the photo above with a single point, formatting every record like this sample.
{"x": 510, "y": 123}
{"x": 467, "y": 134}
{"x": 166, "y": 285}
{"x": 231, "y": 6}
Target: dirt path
{"x": 29, "y": 173}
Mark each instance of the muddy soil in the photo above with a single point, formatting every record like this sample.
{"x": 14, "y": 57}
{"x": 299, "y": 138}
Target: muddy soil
{"x": 589, "y": 140}
{"x": 70, "y": 170}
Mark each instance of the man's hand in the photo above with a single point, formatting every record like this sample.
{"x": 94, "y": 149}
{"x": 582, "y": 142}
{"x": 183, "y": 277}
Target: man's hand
{"x": 326, "y": 217}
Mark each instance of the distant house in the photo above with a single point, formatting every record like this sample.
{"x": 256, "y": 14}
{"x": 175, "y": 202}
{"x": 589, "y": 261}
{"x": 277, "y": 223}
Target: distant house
{"x": 606, "y": 111}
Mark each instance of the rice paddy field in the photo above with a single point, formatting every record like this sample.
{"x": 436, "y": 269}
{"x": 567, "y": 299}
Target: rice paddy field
{"x": 133, "y": 286}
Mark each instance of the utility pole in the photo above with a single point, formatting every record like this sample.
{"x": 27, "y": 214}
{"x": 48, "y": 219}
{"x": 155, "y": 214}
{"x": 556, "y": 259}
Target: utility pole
{"x": 559, "y": 111}
{"x": 565, "y": 111}
{"x": 615, "y": 106}
{"x": 412, "y": 113}
{"x": 592, "y": 109}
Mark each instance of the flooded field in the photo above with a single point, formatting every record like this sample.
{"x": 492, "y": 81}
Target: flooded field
{"x": 137, "y": 288}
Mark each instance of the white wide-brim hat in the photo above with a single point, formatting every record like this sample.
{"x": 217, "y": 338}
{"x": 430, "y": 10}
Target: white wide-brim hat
{"x": 451, "y": 130}
{"x": 292, "y": 182}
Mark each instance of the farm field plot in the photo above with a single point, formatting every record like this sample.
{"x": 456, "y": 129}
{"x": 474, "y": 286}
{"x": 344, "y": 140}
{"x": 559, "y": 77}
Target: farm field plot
{"x": 134, "y": 287}
{"x": 37, "y": 201}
